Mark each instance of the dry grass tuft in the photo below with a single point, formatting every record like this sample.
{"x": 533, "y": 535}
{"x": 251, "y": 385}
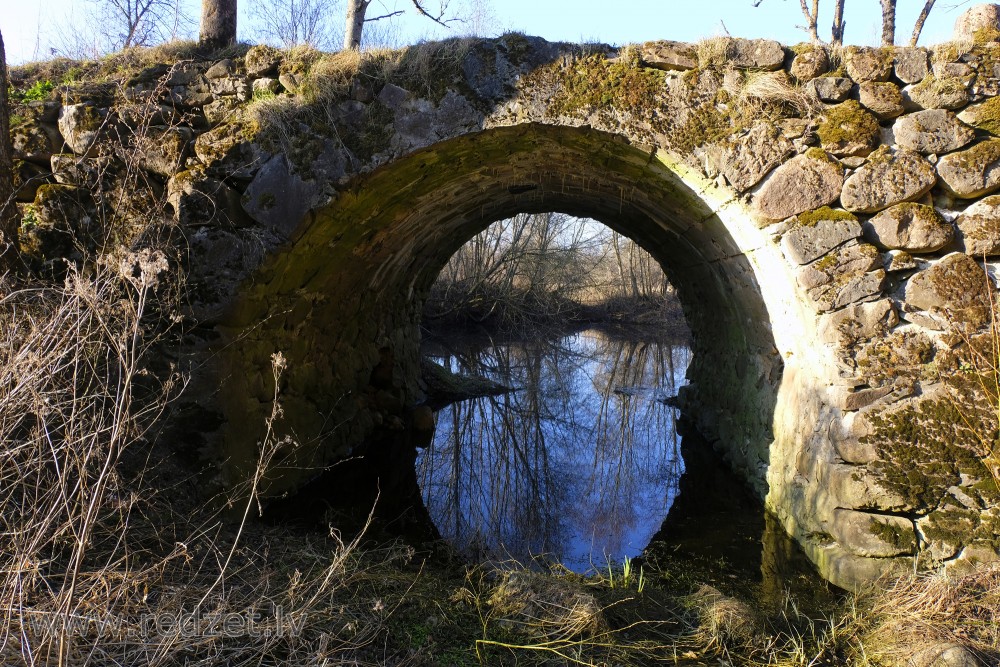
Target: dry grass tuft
{"x": 922, "y": 612}
{"x": 757, "y": 95}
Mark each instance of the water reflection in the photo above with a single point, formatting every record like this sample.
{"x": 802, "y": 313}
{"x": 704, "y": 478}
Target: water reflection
{"x": 580, "y": 463}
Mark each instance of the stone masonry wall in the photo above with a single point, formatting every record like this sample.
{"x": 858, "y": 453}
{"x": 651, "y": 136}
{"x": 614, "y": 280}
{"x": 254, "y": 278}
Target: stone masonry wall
{"x": 832, "y": 210}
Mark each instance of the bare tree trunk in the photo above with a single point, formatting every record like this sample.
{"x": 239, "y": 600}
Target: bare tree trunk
{"x": 8, "y": 209}
{"x": 838, "y": 23}
{"x": 355, "y": 23}
{"x": 919, "y": 25}
{"x": 218, "y": 23}
{"x": 812, "y": 17}
{"x": 888, "y": 22}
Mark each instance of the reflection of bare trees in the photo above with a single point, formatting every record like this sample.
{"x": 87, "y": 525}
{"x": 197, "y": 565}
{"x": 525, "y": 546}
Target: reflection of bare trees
{"x": 565, "y": 465}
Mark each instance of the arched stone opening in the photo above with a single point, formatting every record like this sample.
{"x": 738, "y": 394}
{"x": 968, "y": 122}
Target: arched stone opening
{"x": 343, "y": 300}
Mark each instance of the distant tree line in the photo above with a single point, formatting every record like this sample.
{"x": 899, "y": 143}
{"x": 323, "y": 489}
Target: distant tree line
{"x": 542, "y": 267}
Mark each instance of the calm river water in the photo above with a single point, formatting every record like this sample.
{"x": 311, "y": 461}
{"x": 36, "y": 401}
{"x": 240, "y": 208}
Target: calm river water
{"x": 582, "y": 464}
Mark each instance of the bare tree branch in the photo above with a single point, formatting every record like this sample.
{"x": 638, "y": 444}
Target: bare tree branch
{"x": 812, "y": 18}
{"x": 127, "y": 23}
{"x": 390, "y": 15}
{"x": 919, "y": 25}
{"x": 356, "y": 10}
{"x": 437, "y": 19}
{"x": 294, "y": 22}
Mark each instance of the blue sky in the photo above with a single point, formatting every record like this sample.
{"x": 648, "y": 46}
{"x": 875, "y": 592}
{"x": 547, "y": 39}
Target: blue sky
{"x": 31, "y": 28}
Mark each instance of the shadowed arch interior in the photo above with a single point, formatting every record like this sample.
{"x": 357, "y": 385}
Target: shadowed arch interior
{"x": 343, "y": 300}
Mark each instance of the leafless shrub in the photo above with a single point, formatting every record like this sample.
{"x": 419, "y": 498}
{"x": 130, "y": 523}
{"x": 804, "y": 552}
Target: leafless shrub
{"x": 291, "y": 23}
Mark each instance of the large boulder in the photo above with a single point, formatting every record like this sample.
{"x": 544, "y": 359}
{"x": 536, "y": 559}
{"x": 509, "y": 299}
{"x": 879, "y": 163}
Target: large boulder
{"x": 831, "y": 88}
{"x": 984, "y": 116}
{"x": 888, "y": 178}
{"x": 979, "y": 23}
{"x": 804, "y": 183}
{"x": 915, "y": 228}
{"x": 846, "y": 275}
{"x": 226, "y": 153}
{"x": 279, "y": 198}
{"x": 27, "y": 178}
{"x": 810, "y": 63}
{"x": 760, "y": 54}
{"x": 262, "y": 60}
{"x": 35, "y": 142}
{"x": 198, "y": 199}
{"x": 973, "y": 172}
{"x": 909, "y": 64}
{"x": 858, "y": 322}
{"x": 163, "y": 149}
{"x": 979, "y": 227}
{"x": 818, "y": 233}
{"x": 61, "y": 224}
{"x": 83, "y": 126}
{"x": 933, "y": 131}
{"x": 83, "y": 172}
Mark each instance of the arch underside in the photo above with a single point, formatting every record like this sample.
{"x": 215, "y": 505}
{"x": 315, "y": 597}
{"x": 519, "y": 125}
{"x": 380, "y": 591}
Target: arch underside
{"x": 343, "y": 301}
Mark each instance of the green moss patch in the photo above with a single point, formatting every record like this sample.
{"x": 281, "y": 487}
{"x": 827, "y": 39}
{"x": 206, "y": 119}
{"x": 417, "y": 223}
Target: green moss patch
{"x": 705, "y": 125}
{"x": 595, "y": 82}
{"x": 810, "y": 218}
{"x": 901, "y": 355}
{"x": 925, "y": 448}
{"x": 903, "y": 539}
{"x": 846, "y": 123}
{"x": 987, "y": 116}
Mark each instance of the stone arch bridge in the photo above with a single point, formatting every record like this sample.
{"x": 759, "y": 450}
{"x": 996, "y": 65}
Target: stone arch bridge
{"x": 826, "y": 224}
